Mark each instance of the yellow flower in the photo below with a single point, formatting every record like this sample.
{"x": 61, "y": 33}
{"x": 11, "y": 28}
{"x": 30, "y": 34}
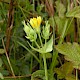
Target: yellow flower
{"x": 35, "y": 22}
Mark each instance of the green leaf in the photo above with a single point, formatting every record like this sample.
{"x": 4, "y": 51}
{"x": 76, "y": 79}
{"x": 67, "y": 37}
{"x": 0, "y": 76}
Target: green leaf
{"x": 1, "y": 34}
{"x": 51, "y": 21}
{"x": 70, "y": 77}
{"x": 2, "y": 51}
{"x": 39, "y": 8}
{"x": 1, "y": 62}
{"x": 25, "y": 69}
{"x": 71, "y": 52}
{"x": 38, "y": 74}
{"x": 5, "y": 72}
{"x": 60, "y": 9}
{"x": 49, "y": 45}
{"x": 75, "y": 12}
{"x": 1, "y": 76}
{"x": 48, "y": 55}
{"x": 60, "y": 24}
{"x": 60, "y": 74}
{"x": 65, "y": 70}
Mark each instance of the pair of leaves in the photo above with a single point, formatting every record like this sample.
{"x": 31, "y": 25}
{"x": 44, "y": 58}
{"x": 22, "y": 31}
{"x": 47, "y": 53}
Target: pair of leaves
{"x": 71, "y": 52}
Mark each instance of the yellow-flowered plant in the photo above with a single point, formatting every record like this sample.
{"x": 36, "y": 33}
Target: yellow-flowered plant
{"x": 35, "y": 23}
{"x": 32, "y": 30}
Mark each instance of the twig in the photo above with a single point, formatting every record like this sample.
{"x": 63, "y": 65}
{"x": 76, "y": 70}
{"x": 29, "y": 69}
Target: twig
{"x": 57, "y": 38}
{"x": 78, "y": 1}
{"x": 18, "y": 76}
{"x": 8, "y": 58}
{"x": 10, "y": 24}
{"x": 49, "y": 7}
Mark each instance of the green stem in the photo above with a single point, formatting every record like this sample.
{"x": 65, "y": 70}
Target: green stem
{"x": 51, "y": 66}
{"x": 22, "y": 11}
{"x": 64, "y": 32}
{"x": 40, "y": 39}
{"x": 68, "y": 7}
{"x": 55, "y": 53}
{"x": 45, "y": 43}
{"x": 45, "y": 67}
{"x": 37, "y": 45}
{"x": 76, "y": 74}
{"x": 41, "y": 61}
{"x": 28, "y": 51}
{"x": 33, "y": 6}
{"x": 31, "y": 64}
{"x": 8, "y": 58}
{"x": 40, "y": 58}
{"x": 75, "y": 3}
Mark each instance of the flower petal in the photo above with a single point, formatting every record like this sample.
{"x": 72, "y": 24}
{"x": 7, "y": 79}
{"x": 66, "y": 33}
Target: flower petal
{"x": 38, "y": 21}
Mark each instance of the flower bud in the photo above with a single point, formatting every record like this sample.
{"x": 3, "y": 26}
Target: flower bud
{"x": 46, "y": 30}
{"x": 31, "y": 34}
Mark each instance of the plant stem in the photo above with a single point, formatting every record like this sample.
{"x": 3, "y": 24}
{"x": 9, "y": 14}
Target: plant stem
{"x": 41, "y": 46}
{"x": 29, "y": 51}
{"x": 51, "y": 66}
{"x": 9, "y": 25}
{"x": 76, "y": 74}
{"x": 45, "y": 42}
{"x": 37, "y": 45}
{"x": 55, "y": 53}
{"x": 8, "y": 59}
{"x": 40, "y": 58}
{"x": 31, "y": 64}
{"x": 33, "y": 6}
{"x": 22, "y": 11}
{"x": 45, "y": 67}
{"x": 40, "y": 39}
{"x": 64, "y": 32}
{"x": 68, "y": 7}
{"x": 75, "y": 2}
